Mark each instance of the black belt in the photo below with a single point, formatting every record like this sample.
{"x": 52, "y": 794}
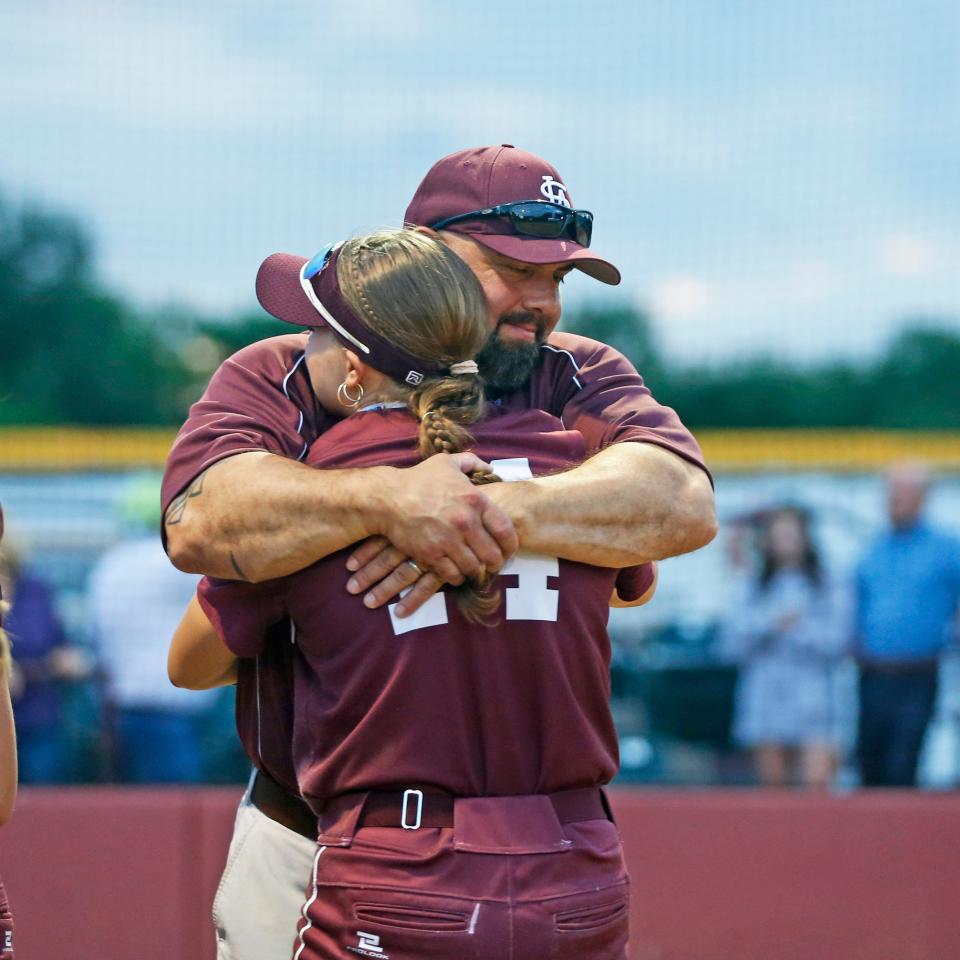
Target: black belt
{"x": 384, "y": 808}
{"x": 404, "y": 807}
{"x": 287, "y": 809}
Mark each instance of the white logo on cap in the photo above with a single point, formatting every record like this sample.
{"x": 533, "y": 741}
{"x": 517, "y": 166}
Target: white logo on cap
{"x": 414, "y": 378}
{"x": 554, "y": 191}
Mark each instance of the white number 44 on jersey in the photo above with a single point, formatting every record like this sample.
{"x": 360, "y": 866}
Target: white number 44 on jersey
{"x": 531, "y": 599}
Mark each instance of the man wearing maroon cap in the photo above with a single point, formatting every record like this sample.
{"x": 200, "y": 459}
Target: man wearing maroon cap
{"x": 259, "y": 515}
{"x": 239, "y": 504}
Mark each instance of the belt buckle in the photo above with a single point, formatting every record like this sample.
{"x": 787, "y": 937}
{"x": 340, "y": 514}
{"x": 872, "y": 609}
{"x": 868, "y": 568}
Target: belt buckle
{"x": 407, "y": 794}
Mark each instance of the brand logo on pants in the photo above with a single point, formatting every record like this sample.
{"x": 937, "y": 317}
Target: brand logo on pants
{"x": 368, "y": 945}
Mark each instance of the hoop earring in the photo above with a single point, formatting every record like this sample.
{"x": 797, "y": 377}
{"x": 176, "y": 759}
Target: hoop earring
{"x": 344, "y": 397}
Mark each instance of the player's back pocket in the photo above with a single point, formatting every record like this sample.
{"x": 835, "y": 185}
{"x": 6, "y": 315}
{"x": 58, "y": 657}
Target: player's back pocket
{"x": 590, "y": 926}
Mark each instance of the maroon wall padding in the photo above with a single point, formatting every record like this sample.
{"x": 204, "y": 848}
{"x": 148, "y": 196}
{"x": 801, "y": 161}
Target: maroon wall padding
{"x": 116, "y": 873}
{"x": 129, "y": 874}
{"x": 770, "y": 875}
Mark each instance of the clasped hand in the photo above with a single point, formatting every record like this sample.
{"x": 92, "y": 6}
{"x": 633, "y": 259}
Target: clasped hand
{"x": 442, "y": 522}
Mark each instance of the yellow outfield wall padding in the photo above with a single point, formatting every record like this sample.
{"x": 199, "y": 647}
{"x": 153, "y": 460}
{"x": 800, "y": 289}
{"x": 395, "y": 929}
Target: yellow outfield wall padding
{"x": 79, "y": 448}
{"x": 41, "y": 449}
{"x": 835, "y": 450}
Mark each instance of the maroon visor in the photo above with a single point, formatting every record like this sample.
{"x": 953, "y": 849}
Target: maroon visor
{"x": 307, "y": 293}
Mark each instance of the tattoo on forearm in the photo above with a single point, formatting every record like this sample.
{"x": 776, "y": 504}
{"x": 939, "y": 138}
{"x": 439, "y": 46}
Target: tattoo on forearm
{"x": 236, "y": 566}
{"x": 179, "y": 503}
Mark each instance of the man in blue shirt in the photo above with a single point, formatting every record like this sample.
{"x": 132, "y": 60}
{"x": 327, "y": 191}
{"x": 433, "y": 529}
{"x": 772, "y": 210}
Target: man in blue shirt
{"x": 908, "y": 590}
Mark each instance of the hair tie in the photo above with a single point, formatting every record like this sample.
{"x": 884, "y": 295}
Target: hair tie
{"x": 464, "y": 366}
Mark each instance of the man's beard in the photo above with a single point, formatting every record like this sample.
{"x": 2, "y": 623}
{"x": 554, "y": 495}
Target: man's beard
{"x": 506, "y": 367}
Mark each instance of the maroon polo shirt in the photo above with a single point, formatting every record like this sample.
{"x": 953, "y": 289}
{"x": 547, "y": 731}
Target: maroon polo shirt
{"x": 261, "y": 399}
{"x": 435, "y": 700}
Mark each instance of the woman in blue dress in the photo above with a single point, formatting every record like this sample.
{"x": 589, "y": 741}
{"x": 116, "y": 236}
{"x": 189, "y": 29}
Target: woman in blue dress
{"x": 788, "y": 632}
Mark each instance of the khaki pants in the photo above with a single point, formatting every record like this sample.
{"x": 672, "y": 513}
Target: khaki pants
{"x": 261, "y": 892}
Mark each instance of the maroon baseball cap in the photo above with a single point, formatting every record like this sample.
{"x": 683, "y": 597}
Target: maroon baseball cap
{"x": 481, "y": 177}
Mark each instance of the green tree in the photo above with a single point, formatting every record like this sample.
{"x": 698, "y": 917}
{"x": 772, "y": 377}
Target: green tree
{"x": 917, "y": 383}
{"x": 72, "y": 352}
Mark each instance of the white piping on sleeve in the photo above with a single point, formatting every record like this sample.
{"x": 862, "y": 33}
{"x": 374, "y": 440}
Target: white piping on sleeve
{"x": 290, "y": 373}
{"x": 286, "y": 393}
{"x": 576, "y": 366}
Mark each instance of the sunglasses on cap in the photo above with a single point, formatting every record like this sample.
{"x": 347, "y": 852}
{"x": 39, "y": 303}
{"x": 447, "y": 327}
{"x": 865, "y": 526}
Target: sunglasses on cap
{"x": 534, "y": 218}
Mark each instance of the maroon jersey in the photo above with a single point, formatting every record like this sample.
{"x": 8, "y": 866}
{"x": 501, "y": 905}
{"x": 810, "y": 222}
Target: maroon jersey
{"x": 258, "y": 399}
{"x": 264, "y": 705}
{"x": 433, "y": 699}
{"x": 261, "y": 399}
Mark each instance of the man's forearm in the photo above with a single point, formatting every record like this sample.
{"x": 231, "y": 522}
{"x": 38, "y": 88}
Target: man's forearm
{"x": 254, "y": 516}
{"x": 630, "y": 503}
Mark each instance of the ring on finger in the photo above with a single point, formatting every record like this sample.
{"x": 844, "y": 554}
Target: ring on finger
{"x": 419, "y": 570}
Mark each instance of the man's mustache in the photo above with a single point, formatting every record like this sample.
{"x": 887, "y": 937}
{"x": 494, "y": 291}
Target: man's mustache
{"x": 524, "y": 319}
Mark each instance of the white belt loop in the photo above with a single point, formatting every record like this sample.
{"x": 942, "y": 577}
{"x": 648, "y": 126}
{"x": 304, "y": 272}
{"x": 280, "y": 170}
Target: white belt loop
{"x": 403, "y": 812}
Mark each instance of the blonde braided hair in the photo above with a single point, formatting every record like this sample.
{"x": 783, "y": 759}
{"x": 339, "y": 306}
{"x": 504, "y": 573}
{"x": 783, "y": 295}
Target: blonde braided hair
{"x": 444, "y": 408}
{"x": 366, "y": 309}
{"x": 4, "y": 645}
{"x": 420, "y": 295}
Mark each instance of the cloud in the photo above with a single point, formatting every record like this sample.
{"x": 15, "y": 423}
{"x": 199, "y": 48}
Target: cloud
{"x": 811, "y": 281}
{"x": 775, "y": 178}
{"x": 908, "y": 254}
{"x": 680, "y": 296}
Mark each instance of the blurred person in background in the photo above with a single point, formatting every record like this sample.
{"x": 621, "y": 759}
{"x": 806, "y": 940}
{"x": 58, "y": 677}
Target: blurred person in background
{"x": 787, "y": 633}
{"x": 44, "y": 663}
{"x": 136, "y": 599}
{"x": 8, "y": 767}
{"x": 907, "y": 592}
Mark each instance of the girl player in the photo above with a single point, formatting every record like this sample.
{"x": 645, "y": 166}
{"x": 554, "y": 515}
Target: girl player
{"x": 455, "y": 757}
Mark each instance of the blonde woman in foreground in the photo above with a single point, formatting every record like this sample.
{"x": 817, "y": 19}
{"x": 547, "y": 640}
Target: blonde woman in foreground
{"x": 456, "y": 757}
{"x": 8, "y": 769}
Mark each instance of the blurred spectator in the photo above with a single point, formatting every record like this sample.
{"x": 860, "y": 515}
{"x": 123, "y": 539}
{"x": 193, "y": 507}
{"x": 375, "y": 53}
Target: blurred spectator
{"x": 908, "y": 588}
{"x": 136, "y": 598}
{"x": 787, "y": 634}
{"x": 43, "y": 663}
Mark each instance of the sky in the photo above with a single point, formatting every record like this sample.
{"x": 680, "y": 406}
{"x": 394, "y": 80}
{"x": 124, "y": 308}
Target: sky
{"x": 770, "y": 177}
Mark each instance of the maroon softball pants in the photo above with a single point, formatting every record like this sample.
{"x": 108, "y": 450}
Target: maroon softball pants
{"x": 507, "y": 881}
